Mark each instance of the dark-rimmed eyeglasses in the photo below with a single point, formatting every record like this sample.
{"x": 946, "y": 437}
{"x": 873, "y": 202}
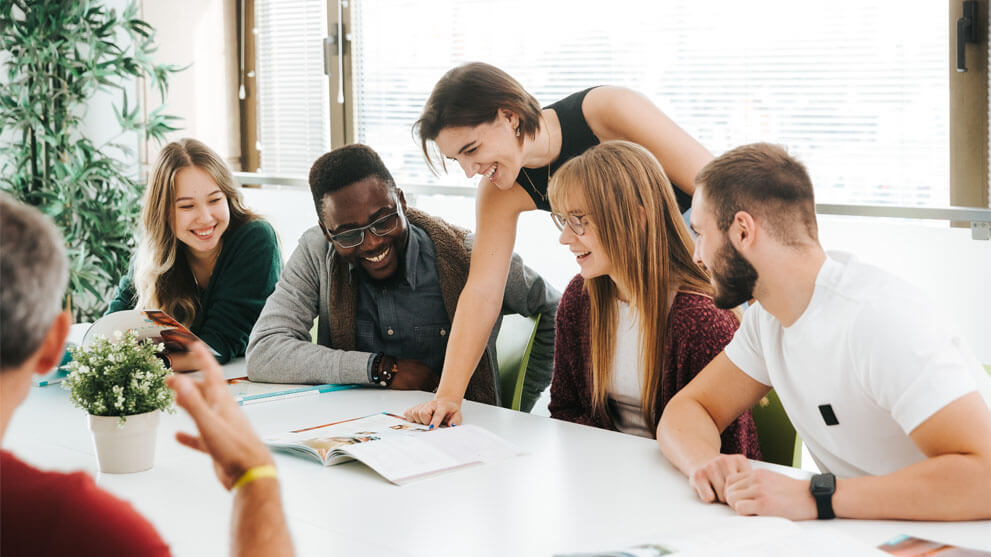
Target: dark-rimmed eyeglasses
{"x": 575, "y": 222}
{"x": 380, "y": 227}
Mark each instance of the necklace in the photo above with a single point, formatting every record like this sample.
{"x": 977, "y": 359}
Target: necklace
{"x": 543, "y": 196}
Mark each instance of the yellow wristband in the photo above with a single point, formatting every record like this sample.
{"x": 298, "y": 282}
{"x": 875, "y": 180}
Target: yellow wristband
{"x": 258, "y": 472}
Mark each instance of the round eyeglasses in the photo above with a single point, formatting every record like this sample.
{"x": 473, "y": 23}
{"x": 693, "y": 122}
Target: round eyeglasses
{"x": 575, "y": 222}
{"x": 380, "y": 227}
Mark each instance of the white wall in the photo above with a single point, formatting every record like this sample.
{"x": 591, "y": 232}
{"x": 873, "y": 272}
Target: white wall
{"x": 203, "y": 35}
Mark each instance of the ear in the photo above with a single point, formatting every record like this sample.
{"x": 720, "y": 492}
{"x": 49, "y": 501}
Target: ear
{"x": 509, "y": 116}
{"x": 53, "y": 346}
{"x": 402, "y": 199}
{"x": 326, "y": 233}
{"x": 743, "y": 231}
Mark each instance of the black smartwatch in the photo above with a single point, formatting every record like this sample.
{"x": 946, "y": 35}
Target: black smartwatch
{"x": 822, "y": 488}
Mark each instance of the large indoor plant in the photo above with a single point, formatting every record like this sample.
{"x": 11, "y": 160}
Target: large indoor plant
{"x": 55, "y": 57}
{"x": 121, "y": 383}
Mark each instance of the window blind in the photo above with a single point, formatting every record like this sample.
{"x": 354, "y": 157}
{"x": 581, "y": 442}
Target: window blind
{"x": 857, "y": 89}
{"x": 293, "y": 101}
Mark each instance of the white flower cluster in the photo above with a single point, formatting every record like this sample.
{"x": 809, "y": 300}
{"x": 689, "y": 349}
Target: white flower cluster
{"x": 120, "y": 377}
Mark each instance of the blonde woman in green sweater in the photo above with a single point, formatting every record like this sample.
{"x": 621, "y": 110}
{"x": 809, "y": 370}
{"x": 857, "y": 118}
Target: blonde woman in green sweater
{"x": 202, "y": 257}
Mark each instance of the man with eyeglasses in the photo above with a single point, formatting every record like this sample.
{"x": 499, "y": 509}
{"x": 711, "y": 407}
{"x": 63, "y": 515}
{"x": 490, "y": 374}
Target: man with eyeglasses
{"x": 383, "y": 280}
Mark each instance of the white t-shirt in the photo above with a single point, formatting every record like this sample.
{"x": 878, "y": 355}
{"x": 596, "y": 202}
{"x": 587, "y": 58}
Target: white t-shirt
{"x": 626, "y": 383}
{"x": 869, "y": 349}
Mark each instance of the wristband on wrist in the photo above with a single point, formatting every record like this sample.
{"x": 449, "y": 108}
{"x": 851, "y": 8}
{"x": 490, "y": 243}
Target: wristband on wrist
{"x": 166, "y": 360}
{"x": 256, "y": 473}
{"x": 384, "y": 370}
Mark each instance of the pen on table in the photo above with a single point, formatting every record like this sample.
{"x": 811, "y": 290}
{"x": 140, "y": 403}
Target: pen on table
{"x": 306, "y": 391}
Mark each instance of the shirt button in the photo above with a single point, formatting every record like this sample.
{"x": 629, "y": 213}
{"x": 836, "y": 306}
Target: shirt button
{"x": 390, "y": 332}
{"x": 443, "y": 332}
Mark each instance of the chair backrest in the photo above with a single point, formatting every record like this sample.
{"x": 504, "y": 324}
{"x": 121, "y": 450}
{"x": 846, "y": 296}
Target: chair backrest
{"x": 778, "y": 441}
{"x": 513, "y": 347}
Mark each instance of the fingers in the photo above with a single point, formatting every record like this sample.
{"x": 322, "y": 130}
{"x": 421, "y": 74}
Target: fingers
{"x": 454, "y": 418}
{"x": 438, "y": 418}
{"x": 709, "y": 480}
{"x": 191, "y": 441}
{"x": 189, "y": 398}
{"x": 700, "y": 482}
{"x": 213, "y": 375}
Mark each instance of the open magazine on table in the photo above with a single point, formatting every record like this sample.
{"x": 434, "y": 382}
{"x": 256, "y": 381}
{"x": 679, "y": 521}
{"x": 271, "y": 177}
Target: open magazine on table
{"x": 398, "y": 450}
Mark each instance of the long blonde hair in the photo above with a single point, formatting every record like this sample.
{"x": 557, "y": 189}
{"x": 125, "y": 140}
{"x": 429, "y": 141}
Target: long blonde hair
{"x": 629, "y": 199}
{"x": 162, "y": 276}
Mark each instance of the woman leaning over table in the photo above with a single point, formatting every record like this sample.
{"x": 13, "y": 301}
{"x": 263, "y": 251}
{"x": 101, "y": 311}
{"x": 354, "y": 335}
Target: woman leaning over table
{"x": 638, "y": 322}
{"x": 483, "y": 119}
{"x": 202, "y": 256}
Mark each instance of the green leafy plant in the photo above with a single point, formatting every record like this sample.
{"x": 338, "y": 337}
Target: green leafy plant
{"x": 120, "y": 378}
{"x": 55, "y": 56}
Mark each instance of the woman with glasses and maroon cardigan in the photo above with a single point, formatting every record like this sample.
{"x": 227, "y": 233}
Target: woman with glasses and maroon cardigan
{"x": 485, "y": 121}
{"x": 638, "y": 322}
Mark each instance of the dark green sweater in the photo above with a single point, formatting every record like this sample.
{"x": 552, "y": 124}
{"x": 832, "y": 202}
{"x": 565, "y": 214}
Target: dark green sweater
{"x": 245, "y": 275}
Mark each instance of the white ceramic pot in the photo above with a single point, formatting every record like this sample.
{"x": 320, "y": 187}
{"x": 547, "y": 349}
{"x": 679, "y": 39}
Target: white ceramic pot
{"x": 128, "y": 448}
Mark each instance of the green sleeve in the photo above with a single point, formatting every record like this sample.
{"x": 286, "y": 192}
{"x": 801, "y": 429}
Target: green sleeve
{"x": 125, "y": 297}
{"x": 242, "y": 282}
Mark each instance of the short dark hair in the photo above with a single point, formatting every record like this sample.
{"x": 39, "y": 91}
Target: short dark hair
{"x": 33, "y": 275}
{"x": 342, "y": 167}
{"x": 765, "y": 181}
{"x": 472, "y": 94}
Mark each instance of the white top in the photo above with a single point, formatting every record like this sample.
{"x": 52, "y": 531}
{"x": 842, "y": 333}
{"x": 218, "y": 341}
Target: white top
{"x": 870, "y": 348}
{"x": 626, "y": 384}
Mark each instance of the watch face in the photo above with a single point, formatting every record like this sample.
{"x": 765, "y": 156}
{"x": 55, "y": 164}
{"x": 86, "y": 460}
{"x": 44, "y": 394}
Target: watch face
{"x": 823, "y": 483}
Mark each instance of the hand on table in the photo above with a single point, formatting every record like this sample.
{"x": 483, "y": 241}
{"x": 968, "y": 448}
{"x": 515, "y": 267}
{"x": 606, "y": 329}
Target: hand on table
{"x": 709, "y": 479}
{"x": 437, "y": 412}
{"x": 413, "y": 375}
{"x": 766, "y": 493}
{"x": 224, "y": 431}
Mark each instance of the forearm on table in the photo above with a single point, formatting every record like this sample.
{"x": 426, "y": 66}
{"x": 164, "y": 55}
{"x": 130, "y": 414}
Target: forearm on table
{"x": 945, "y": 487}
{"x": 284, "y": 359}
{"x": 258, "y": 524}
{"x": 687, "y": 435}
{"x": 473, "y": 321}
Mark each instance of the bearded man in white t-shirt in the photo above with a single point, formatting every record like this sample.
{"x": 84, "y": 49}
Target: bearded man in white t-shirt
{"x": 890, "y": 402}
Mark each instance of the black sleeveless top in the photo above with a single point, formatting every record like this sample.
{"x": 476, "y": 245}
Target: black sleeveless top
{"x": 576, "y": 138}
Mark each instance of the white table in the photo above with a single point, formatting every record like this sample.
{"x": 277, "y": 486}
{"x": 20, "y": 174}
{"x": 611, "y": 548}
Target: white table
{"x": 579, "y": 487}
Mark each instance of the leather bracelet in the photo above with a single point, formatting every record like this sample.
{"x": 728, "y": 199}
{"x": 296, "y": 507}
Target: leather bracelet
{"x": 256, "y": 473}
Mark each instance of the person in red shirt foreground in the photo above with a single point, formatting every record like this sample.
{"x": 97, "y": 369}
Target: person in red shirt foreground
{"x": 89, "y": 520}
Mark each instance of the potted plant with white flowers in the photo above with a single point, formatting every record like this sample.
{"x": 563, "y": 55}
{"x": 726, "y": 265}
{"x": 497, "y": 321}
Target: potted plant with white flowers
{"x": 121, "y": 383}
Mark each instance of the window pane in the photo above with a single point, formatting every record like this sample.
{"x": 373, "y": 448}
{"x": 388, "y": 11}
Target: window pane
{"x": 858, "y": 89}
{"x": 293, "y": 103}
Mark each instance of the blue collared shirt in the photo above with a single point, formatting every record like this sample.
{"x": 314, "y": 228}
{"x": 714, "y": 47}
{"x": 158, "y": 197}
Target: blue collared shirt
{"x": 405, "y": 318}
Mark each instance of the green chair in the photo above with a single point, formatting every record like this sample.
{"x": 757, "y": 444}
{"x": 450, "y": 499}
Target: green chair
{"x": 513, "y": 347}
{"x": 778, "y": 441}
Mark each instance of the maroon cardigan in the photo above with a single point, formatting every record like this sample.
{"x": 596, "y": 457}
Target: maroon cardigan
{"x": 697, "y": 332}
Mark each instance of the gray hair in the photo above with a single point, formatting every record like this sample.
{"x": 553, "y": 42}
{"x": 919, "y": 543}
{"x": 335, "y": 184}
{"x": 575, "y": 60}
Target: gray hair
{"x": 34, "y": 271}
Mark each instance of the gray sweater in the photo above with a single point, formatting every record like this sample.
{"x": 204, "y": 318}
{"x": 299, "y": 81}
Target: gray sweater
{"x": 281, "y": 350}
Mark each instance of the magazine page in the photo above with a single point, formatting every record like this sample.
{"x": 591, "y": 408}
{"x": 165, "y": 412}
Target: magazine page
{"x": 148, "y": 323}
{"x": 740, "y": 536}
{"x": 400, "y": 451}
{"x": 910, "y": 546}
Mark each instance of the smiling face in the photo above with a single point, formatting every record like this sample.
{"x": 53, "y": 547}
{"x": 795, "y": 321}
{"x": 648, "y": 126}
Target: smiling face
{"x": 492, "y": 149}
{"x": 201, "y": 211}
{"x": 587, "y": 248}
{"x": 360, "y": 204}
{"x": 733, "y": 277}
